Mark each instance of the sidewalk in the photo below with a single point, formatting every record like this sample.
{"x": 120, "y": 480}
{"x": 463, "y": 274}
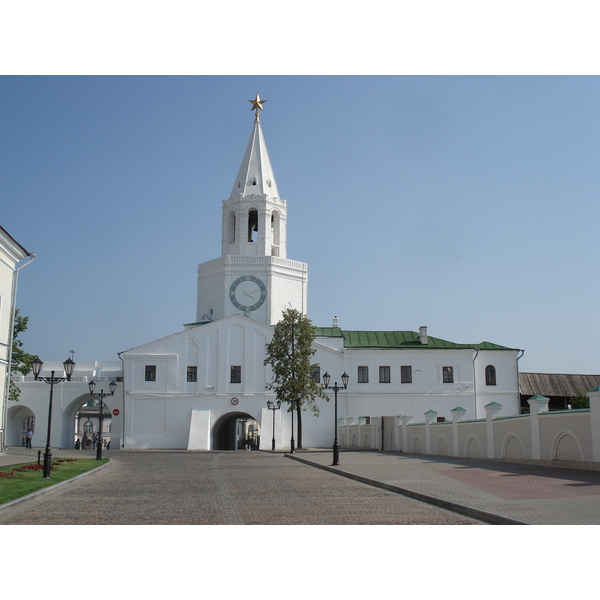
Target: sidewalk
{"x": 496, "y": 492}
{"x": 19, "y": 455}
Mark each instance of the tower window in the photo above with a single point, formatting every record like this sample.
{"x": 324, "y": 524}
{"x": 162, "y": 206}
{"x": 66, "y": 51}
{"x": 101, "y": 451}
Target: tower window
{"x": 448, "y": 374}
{"x": 192, "y": 374}
{"x": 252, "y": 225}
{"x": 490, "y": 375}
{"x": 236, "y": 374}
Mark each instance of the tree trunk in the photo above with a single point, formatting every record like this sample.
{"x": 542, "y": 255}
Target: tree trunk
{"x": 299, "y": 414}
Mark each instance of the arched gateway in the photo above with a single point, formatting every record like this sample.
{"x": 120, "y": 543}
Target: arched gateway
{"x": 235, "y": 431}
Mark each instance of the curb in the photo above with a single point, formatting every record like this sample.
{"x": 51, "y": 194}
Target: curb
{"x": 47, "y": 490}
{"x": 468, "y": 511}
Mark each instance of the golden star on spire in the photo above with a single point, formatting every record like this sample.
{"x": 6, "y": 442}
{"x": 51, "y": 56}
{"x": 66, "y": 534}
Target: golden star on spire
{"x": 257, "y": 103}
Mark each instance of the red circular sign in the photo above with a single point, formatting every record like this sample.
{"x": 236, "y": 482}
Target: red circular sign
{"x": 116, "y": 412}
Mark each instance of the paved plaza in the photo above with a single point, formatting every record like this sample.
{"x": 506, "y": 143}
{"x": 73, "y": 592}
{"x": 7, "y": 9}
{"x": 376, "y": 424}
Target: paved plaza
{"x": 179, "y": 487}
{"x": 220, "y": 488}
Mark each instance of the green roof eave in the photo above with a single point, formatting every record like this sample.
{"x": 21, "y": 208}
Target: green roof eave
{"x": 397, "y": 340}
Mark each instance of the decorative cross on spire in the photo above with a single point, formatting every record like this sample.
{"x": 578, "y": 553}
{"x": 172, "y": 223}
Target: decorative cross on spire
{"x": 257, "y": 104}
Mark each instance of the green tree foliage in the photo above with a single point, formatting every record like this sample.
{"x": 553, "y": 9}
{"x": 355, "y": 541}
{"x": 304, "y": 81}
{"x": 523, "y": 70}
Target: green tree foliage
{"x": 289, "y": 354}
{"x": 580, "y": 400}
{"x": 20, "y": 361}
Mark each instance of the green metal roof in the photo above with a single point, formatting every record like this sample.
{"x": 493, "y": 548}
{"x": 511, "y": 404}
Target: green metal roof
{"x": 396, "y": 340}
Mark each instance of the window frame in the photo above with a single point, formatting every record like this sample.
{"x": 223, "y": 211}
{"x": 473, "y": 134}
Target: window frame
{"x": 490, "y": 375}
{"x": 192, "y": 374}
{"x": 315, "y": 373}
{"x": 385, "y": 374}
{"x": 363, "y": 374}
{"x": 447, "y": 374}
{"x": 406, "y": 374}
{"x": 150, "y": 373}
{"x": 235, "y": 374}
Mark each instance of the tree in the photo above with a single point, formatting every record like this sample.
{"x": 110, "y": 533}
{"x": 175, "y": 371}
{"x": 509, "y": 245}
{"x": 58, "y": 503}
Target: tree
{"x": 289, "y": 354}
{"x": 20, "y": 360}
{"x": 580, "y": 400}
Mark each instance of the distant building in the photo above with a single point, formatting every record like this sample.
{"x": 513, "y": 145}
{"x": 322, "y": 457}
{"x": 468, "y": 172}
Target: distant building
{"x": 11, "y": 255}
{"x": 559, "y": 388}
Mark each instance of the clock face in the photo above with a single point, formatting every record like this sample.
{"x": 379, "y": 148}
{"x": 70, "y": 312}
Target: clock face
{"x": 247, "y": 293}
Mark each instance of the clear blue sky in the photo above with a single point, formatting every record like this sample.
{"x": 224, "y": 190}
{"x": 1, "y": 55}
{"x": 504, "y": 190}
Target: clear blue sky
{"x": 467, "y": 204}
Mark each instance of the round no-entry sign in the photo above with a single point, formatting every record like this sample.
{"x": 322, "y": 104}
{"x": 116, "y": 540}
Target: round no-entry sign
{"x": 116, "y": 412}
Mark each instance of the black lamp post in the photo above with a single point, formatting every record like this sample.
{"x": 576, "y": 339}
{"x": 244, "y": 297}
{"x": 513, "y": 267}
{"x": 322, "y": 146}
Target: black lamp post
{"x": 273, "y": 406}
{"x": 92, "y": 385}
{"x": 37, "y": 364}
{"x": 336, "y": 388}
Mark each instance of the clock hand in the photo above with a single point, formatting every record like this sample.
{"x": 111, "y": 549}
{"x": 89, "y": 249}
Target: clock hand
{"x": 251, "y": 294}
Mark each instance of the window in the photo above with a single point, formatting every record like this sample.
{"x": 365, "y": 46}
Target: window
{"x": 363, "y": 374}
{"x": 384, "y": 374}
{"x": 316, "y": 373}
{"x": 192, "y": 374}
{"x": 406, "y": 374}
{"x": 490, "y": 375}
{"x": 236, "y": 374}
{"x": 448, "y": 374}
{"x": 150, "y": 373}
{"x": 88, "y": 427}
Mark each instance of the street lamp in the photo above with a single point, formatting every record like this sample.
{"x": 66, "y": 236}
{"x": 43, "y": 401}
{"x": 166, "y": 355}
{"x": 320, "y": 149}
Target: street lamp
{"x": 92, "y": 385}
{"x": 273, "y": 406}
{"x": 37, "y": 364}
{"x": 336, "y": 388}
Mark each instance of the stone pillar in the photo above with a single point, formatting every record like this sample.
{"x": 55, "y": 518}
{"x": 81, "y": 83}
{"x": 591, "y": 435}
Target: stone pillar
{"x": 430, "y": 416}
{"x": 537, "y": 405}
{"x": 491, "y": 410}
{"x": 594, "y": 396}
{"x": 405, "y": 421}
{"x": 458, "y": 414}
{"x": 396, "y": 425}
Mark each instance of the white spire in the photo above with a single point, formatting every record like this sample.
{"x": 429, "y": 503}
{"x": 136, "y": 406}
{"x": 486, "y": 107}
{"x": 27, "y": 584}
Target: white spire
{"x": 256, "y": 173}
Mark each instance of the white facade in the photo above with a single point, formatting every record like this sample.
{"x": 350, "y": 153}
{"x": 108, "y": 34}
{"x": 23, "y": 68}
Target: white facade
{"x": 11, "y": 254}
{"x": 68, "y": 399}
{"x": 241, "y": 295}
{"x": 190, "y": 390}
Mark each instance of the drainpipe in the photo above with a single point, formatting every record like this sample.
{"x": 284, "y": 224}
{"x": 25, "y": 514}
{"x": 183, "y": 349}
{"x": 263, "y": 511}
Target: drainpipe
{"x": 11, "y": 331}
{"x": 518, "y": 380}
{"x": 475, "y": 384}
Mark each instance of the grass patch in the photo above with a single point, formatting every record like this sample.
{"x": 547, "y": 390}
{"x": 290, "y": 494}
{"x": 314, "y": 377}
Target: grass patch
{"x": 20, "y": 480}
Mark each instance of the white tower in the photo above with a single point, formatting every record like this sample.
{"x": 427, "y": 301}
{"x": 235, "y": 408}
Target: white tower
{"x": 253, "y": 276}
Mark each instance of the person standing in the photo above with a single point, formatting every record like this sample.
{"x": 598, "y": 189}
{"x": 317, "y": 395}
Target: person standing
{"x": 28, "y": 438}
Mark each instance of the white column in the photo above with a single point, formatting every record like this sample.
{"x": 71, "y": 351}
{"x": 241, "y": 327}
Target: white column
{"x": 458, "y": 414}
{"x": 537, "y": 405}
{"x": 491, "y": 410}
{"x": 594, "y": 396}
{"x": 430, "y": 416}
{"x": 405, "y": 421}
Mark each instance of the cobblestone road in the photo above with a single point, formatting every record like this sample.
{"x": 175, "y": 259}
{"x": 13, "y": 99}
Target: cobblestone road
{"x": 228, "y": 488}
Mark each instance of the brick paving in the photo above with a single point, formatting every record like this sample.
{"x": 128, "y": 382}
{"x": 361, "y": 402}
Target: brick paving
{"x": 212, "y": 488}
{"x": 524, "y": 493}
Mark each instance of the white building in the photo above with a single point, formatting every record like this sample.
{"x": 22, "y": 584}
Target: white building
{"x": 190, "y": 389}
{"x": 11, "y": 255}
{"x": 198, "y": 388}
